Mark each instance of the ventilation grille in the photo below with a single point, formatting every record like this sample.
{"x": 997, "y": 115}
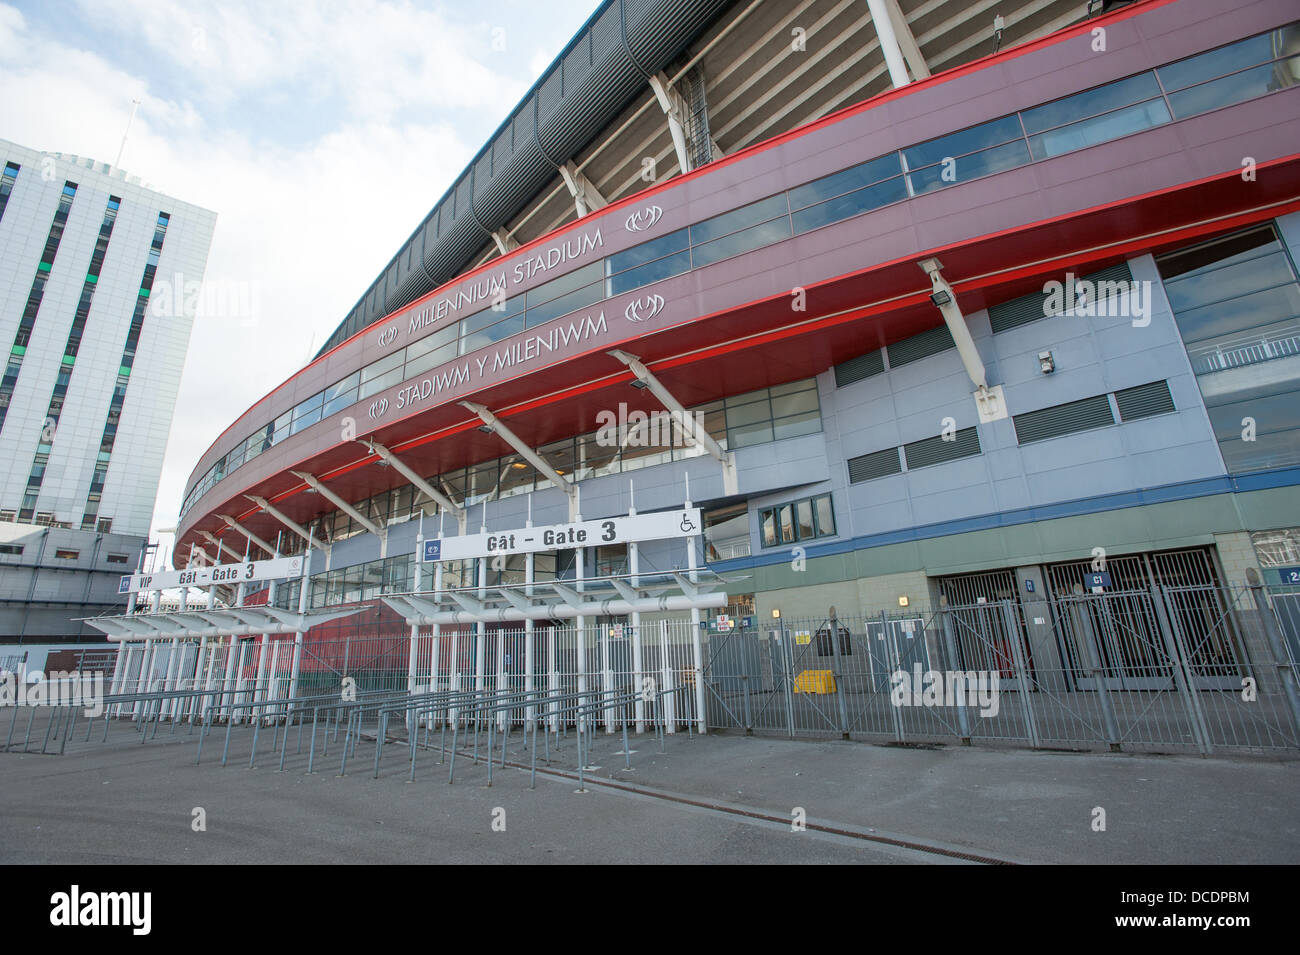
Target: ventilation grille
{"x": 920, "y": 346}
{"x": 936, "y": 450}
{"x": 856, "y": 369}
{"x": 1031, "y": 307}
{"x": 1144, "y": 401}
{"x": 1063, "y": 419}
{"x": 868, "y": 467}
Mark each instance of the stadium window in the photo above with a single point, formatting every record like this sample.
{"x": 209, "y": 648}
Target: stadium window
{"x": 807, "y": 519}
{"x": 62, "y": 554}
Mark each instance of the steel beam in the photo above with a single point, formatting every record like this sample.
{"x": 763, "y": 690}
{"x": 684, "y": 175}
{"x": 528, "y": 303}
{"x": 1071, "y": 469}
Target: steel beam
{"x": 401, "y": 467}
{"x": 529, "y": 455}
{"x": 316, "y": 485}
{"x": 231, "y": 522}
{"x": 288, "y": 522}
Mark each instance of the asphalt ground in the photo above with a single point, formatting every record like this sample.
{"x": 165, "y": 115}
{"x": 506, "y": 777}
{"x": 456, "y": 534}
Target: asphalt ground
{"x": 714, "y": 799}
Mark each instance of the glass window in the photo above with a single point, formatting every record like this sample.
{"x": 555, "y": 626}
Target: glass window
{"x": 825, "y": 516}
{"x": 739, "y": 219}
{"x": 517, "y": 476}
{"x": 726, "y": 533}
{"x": 418, "y": 362}
{"x": 382, "y": 366}
{"x": 973, "y": 166}
{"x": 842, "y": 183}
{"x": 570, "y": 302}
{"x": 651, "y": 272}
{"x": 1236, "y": 88}
{"x": 1093, "y": 102}
{"x": 747, "y": 240}
{"x": 340, "y": 395}
{"x": 1100, "y": 129}
{"x": 646, "y": 252}
{"x": 849, "y": 204}
{"x": 804, "y": 516}
{"x": 1224, "y": 60}
{"x": 962, "y": 143}
{"x": 576, "y": 279}
{"x": 490, "y": 315}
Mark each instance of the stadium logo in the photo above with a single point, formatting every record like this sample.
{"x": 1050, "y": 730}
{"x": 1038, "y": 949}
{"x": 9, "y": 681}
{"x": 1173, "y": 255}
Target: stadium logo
{"x": 378, "y": 408}
{"x": 640, "y": 309}
{"x": 387, "y": 335}
{"x": 644, "y": 219}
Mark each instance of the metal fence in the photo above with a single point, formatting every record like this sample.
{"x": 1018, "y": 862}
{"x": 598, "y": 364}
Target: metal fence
{"x": 1163, "y": 669}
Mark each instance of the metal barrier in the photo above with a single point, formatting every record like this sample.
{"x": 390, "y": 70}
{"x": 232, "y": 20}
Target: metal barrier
{"x": 1166, "y": 669}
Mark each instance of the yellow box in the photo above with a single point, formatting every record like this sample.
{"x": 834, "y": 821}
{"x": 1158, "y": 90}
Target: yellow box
{"x": 815, "y": 681}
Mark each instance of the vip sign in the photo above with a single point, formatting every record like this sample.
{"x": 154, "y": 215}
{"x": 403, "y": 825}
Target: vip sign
{"x": 684, "y": 522}
{"x": 248, "y": 572}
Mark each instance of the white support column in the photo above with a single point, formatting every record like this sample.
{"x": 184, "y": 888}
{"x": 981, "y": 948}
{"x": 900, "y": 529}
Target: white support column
{"x": 669, "y": 715}
{"x": 400, "y": 466}
{"x": 888, "y": 42}
{"x": 529, "y": 628}
{"x": 532, "y": 457}
{"x": 297, "y": 637}
{"x": 674, "y": 107}
{"x": 696, "y": 644}
{"x": 231, "y": 522}
{"x": 586, "y": 197}
{"x": 413, "y": 659}
{"x": 638, "y": 673}
{"x": 480, "y": 630}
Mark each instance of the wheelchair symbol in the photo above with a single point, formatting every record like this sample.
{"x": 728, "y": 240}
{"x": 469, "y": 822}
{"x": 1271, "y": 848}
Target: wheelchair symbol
{"x": 687, "y": 526}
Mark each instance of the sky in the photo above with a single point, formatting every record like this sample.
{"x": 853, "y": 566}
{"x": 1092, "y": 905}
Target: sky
{"x": 320, "y": 133}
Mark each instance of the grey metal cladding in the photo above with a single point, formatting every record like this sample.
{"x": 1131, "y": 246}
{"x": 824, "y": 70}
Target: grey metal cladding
{"x": 920, "y": 346}
{"x": 1082, "y": 415}
{"x": 592, "y": 81}
{"x": 937, "y": 450}
{"x": 1144, "y": 401}
{"x": 1028, "y": 308}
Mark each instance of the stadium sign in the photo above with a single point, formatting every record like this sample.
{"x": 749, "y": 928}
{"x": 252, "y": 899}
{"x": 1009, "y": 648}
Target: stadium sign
{"x": 681, "y": 523}
{"x": 248, "y": 572}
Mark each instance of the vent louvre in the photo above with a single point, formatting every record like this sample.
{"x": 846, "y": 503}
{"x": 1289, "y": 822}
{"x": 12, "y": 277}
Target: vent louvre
{"x": 856, "y": 369}
{"x": 1144, "y": 401}
{"x": 1071, "y": 417}
{"x": 1031, "y": 307}
{"x": 920, "y": 346}
{"x": 868, "y": 467}
{"x": 936, "y": 450}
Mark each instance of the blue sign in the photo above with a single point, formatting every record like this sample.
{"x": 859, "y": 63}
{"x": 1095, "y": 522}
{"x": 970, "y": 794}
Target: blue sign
{"x": 1029, "y": 585}
{"x": 1289, "y": 575}
{"x": 432, "y": 551}
{"x": 124, "y": 585}
{"x": 747, "y": 622}
{"x": 1099, "y": 579}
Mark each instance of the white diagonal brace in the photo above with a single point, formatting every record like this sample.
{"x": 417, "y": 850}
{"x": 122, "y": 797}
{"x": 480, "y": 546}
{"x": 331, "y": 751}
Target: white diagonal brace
{"x": 907, "y": 41}
{"x": 674, "y": 107}
{"x": 400, "y": 466}
{"x": 880, "y": 19}
{"x": 505, "y": 242}
{"x": 288, "y": 522}
{"x": 945, "y": 299}
{"x": 529, "y": 455}
{"x": 315, "y": 484}
{"x": 586, "y": 197}
{"x": 684, "y": 420}
{"x": 221, "y": 545}
{"x": 231, "y": 522}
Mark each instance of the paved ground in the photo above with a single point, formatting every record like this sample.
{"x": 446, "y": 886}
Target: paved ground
{"x": 716, "y": 799}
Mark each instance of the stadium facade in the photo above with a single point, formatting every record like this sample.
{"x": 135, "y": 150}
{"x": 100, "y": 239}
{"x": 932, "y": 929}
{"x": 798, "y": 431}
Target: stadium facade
{"x": 89, "y": 389}
{"x": 918, "y": 307}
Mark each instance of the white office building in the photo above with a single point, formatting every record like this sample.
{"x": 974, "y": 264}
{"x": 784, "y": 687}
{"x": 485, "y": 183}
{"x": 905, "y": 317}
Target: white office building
{"x": 96, "y": 335}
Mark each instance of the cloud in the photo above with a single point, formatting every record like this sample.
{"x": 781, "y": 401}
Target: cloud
{"x": 321, "y": 138}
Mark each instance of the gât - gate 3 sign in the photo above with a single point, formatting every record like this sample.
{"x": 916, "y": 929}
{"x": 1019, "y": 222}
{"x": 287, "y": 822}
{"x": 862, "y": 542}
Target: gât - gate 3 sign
{"x": 663, "y": 525}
